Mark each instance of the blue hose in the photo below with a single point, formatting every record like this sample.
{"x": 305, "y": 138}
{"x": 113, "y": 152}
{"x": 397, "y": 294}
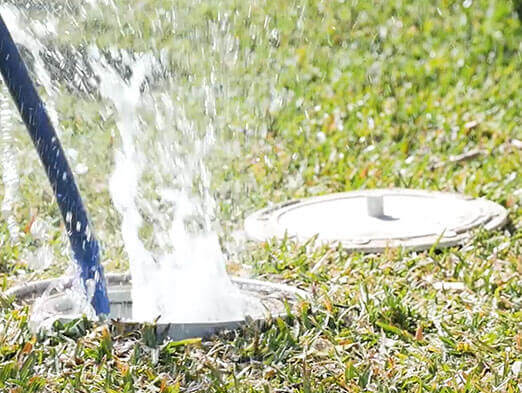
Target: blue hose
{"x": 83, "y": 243}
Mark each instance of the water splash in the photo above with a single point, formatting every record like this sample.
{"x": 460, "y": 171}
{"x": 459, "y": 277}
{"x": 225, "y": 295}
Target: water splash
{"x": 30, "y": 33}
{"x": 72, "y": 299}
{"x": 182, "y": 277}
{"x": 173, "y": 108}
{"x": 8, "y": 163}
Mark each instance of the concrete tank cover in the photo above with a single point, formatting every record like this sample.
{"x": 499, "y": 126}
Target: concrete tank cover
{"x": 372, "y": 220}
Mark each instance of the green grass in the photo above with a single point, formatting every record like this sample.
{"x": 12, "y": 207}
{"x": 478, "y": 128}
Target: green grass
{"x": 373, "y": 94}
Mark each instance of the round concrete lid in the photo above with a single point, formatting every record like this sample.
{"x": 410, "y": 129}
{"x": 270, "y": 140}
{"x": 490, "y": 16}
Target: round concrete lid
{"x": 372, "y": 220}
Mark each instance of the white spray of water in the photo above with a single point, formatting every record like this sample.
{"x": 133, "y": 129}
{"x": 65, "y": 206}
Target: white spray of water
{"x": 8, "y": 163}
{"x": 27, "y": 32}
{"x": 161, "y": 182}
{"x": 185, "y": 279}
{"x": 73, "y": 302}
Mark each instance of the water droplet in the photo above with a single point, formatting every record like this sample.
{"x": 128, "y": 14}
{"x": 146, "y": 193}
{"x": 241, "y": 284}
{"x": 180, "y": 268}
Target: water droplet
{"x": 81, "y": 169}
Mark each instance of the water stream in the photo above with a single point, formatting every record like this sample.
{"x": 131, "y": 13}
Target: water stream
{"x": 8, "y": 164}
{"x": 182, "y": 276}
{"x": 168, "y": 108}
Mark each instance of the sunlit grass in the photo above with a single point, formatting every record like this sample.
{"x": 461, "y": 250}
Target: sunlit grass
{"x": 374, "y": 94}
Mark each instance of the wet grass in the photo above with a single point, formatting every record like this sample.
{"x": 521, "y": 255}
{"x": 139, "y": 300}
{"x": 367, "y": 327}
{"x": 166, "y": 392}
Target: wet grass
{"x": 373, "y": 95}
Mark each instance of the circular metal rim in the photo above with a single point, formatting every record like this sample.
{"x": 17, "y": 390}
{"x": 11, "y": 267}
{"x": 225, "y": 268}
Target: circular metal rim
{"x": 173, "y": 331}
{"x": 262, "y": 225}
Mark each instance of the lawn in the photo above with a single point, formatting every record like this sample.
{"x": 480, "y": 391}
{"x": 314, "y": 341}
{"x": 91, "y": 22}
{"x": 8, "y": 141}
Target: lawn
{"x": 312, "y": 97}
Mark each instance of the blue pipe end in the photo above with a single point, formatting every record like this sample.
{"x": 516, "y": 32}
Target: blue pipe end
{"x": 91, "y": 271}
